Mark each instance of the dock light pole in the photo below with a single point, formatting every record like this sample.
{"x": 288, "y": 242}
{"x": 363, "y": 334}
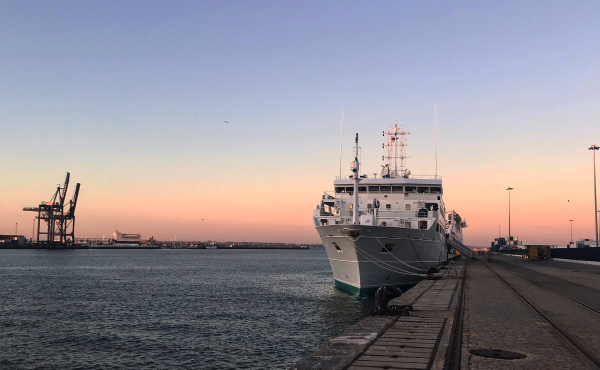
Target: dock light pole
{"x": 571, "y": 232}
{"x": 16, "y": 228}
{"x": 509, "y": 189}
{"x": 593, "y": 148}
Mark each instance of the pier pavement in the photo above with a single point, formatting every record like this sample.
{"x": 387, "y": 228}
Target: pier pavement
{"x": 545, "y": 312}
{"x": 418, "y": 341}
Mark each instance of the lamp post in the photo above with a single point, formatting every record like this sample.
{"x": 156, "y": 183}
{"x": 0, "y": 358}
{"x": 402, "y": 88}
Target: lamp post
{"x": 593, "y": 148}
{"x": 571, "y": 232}
{"x": 16, "y": 228}
{"x": 509, "y": 189}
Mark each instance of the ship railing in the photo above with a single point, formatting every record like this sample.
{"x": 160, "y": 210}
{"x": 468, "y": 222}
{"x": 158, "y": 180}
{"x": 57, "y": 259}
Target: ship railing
{"x": 425, "y": 177}
{"x": 407, "y": 214}
{"x": 328, "y": 194}
{"x": 390, "y": 221}
{"x": 416, "y": 177}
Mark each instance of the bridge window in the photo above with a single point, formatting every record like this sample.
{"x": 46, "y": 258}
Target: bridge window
{"x": 339, "y": 189}
{"x": 349, "y": 189}
{"x": 410, "y": 189}
{"x": 435, "y": 189}
{"x": 373, "y": 189}
{"x": 362, "y": 189}
{"x": 423, "y": 189}
{"x": 385, "y": 189}
{"x": 397, "y": 189}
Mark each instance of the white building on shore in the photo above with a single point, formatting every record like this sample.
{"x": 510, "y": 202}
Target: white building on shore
{"x": 121, "y": 238}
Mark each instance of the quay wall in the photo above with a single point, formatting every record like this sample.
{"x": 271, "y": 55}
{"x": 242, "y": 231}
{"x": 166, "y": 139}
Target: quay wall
{"x": 145, "y": 246}
{"x": 580, "y": 254}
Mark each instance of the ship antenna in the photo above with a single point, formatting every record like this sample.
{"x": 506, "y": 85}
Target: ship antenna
{"x": 341, "y": 141}
{"x": 356, "y": 177}
{"x": 435, "y": 114}
{"x": 391, "y": 168}
{"x": 396, "y": 148}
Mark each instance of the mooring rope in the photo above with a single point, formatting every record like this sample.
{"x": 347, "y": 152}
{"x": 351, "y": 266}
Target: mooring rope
{"x": 399, "y": 260}
{"x": 413, "y": 247}
{"x": 391, "y": 268}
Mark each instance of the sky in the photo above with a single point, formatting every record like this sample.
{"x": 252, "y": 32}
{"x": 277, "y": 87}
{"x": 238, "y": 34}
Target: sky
{"x": 131, "y": 98}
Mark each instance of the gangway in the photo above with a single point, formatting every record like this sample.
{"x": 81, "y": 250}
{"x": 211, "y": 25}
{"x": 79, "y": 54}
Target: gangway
{"x": 463, "y": 249}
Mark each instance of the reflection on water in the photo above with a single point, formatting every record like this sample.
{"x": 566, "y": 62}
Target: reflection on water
{"x": 201, "y": 309}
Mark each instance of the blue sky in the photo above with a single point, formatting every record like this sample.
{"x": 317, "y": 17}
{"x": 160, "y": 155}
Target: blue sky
{"x": 132, "y": 96}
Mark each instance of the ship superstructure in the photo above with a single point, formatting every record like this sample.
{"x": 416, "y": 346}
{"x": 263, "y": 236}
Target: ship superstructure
{"x": 386, "y": 230}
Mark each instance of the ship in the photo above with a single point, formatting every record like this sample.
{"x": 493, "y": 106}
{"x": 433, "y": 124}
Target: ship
{"x": 454, "y": 227}
{"x": 387, "y": 230}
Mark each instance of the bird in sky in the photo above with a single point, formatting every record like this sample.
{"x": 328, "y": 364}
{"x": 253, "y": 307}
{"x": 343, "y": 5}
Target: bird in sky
{"x": 226, "y": 121}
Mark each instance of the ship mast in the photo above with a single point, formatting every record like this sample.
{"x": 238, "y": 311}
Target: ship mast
{"x": 355, "y": 167}
{"x": 396, "y": 138}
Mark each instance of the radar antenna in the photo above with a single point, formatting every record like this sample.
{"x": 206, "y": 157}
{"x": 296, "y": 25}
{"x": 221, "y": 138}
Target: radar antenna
{"x": 396, "y": 138}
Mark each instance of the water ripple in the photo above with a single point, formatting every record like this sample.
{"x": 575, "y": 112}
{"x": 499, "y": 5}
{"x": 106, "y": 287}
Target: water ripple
{"x": 200, "y": 309}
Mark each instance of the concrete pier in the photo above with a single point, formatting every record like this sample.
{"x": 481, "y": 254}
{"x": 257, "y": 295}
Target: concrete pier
{"x": 418, "y": 341}
{"x": 538, "y": 318}
{"x": 514, "y": 314}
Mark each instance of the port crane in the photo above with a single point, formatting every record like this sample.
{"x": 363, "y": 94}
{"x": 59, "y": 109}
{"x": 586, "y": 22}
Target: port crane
{"x": 60, "y": 224}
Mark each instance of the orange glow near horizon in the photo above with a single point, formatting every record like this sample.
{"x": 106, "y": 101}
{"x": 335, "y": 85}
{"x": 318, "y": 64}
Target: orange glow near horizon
{"x": 279, "y": 209}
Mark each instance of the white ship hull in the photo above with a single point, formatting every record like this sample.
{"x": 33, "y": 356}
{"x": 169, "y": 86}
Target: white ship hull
{"x": 387, "y": 230}
{"x": 363, "y": 264}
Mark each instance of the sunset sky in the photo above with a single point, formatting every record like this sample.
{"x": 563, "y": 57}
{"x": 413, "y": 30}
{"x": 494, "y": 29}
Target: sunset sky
{"x": 131, "y": 97}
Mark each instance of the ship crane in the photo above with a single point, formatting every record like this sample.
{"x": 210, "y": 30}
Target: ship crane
{"x": 60, "y": 225}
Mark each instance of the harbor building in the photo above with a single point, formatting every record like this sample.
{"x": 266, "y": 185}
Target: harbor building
{"x": 122, "y": 238}
{"x": 19, "y": 240}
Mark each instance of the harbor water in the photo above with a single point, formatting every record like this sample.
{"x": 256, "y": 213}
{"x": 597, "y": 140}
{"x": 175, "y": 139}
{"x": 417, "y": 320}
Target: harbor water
{"x": 168, "y": 309}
